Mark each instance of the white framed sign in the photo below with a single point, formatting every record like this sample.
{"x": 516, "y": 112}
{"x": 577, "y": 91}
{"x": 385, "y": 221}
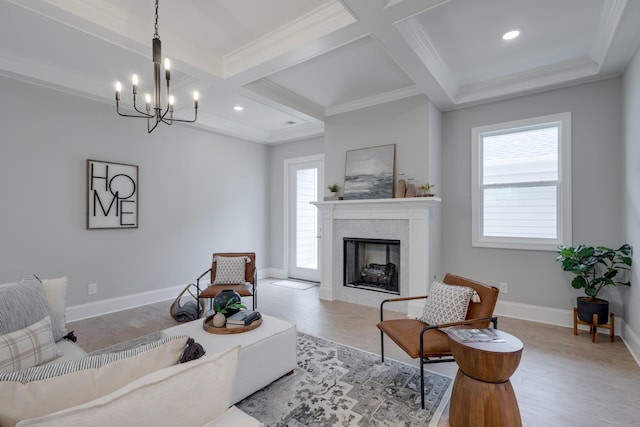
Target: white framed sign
{"x": 112, "y": 195}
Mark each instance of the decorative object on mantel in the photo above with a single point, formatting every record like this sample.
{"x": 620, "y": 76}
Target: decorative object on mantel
{"x": 369, "y": 173}
{"x": 158, "y": 115}
{"x": 425, "y": 190}
{"x": 594, "y": 269}
{"x": 333, "y": 189}
{"x": 402, "y": 187}
{"x": 411, "y": 189}
{"x": 112, "y": 195}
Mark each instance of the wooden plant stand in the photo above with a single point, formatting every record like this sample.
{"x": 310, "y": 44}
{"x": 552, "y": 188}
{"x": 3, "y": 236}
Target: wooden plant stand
{"x": 593, "y": 326}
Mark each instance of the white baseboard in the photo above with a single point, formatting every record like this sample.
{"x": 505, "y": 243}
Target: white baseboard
{"x": 550, "y": 316}
{"x": 632, "y": 342}
{"x": 276, "y": 273}
{"x": 111, "y": 305}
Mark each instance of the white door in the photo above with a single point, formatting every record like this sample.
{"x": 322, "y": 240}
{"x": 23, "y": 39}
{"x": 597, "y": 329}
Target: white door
{"x": 305, "y": 182}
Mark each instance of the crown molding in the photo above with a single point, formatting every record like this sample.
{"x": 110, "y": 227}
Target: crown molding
{"x": 416, "y": 37}
{"x": 370, "y": 101}
{"x": 612, "y": 11}
{"x": 315, "y": 24}
{"x": 554, "y": 75}
{"x": 296, "y": 133}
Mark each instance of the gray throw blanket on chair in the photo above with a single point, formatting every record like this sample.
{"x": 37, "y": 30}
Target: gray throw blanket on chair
{"x": 188, "y": 312}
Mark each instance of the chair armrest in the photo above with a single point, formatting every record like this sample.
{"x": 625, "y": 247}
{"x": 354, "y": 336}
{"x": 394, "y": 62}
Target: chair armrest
{"x": 493, "y": 320}
{"x": 397, "y": 300}
{"x": 200, "y": 277}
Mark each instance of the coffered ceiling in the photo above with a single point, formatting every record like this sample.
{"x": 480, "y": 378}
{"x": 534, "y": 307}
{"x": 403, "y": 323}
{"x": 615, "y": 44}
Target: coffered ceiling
{"x": 292, "y": 63}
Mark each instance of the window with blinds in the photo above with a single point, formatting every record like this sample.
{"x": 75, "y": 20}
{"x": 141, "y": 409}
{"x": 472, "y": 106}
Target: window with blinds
{"x": 521, "y": 188}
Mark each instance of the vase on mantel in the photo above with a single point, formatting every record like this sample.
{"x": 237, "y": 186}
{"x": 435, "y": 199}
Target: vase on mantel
{"x": 401, "y": 189}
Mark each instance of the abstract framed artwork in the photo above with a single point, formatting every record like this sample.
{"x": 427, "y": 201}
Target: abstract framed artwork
{"x": 369, "y": 173}
{"x": 112, "y": 195}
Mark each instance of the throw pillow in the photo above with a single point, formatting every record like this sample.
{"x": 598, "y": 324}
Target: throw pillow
{"x": 23, "y": 304}
{"x": 56, "y": 291}
{"x": 210, "y": 377}
{"x": 28, "y": 347}
{"x": 36, "y": 391}
{"x": 446, "y": 304}
{"x": 230, "y": 270}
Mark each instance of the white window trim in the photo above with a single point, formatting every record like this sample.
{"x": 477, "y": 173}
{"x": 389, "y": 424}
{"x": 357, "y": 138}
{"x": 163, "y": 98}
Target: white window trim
{"x": 564, "y": 187}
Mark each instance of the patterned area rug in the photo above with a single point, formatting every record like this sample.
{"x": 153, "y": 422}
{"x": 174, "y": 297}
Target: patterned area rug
{"x": 336, "y": 385}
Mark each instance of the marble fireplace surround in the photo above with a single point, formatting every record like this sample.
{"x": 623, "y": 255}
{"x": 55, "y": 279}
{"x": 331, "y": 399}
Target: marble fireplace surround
{"x": 413, "y": 221}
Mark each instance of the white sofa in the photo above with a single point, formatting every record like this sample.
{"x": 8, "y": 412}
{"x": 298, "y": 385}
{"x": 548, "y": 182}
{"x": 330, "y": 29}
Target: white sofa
{"x": 56, "y": 384}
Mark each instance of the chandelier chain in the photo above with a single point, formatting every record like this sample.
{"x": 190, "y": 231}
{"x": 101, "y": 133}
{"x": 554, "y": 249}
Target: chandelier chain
{"x": 156, "y": 35}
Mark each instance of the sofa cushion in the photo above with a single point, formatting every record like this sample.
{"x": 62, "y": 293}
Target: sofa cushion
{"x": 28, "y": 347}
{"x": 23, "y": 304}
{"x": 187, "y": 395}
{"x": 36, "y": 391}
{"x": 446, "y": 304}
{"x": 56, "y": 291}
{"x": 230, "y": 270}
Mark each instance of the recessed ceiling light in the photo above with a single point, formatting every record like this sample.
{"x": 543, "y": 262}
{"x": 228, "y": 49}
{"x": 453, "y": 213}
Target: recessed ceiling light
{"x": 238, "y": 108}
{"x": 510, "y": 35}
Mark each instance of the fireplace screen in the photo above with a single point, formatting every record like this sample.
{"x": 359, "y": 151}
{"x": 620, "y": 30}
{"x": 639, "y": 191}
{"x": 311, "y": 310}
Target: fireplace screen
{"x": 372, "y": 264}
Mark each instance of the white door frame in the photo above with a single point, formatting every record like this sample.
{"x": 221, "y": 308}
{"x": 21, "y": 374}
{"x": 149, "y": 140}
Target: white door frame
{"x": 285, "y": 192}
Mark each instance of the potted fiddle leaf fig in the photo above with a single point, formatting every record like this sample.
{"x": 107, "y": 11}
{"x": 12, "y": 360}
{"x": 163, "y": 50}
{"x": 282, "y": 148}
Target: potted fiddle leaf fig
{"x": 595, "y": 268}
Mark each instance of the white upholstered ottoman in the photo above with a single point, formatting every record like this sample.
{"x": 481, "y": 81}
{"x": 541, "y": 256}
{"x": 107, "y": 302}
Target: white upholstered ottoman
{"x": 267, "y": 352}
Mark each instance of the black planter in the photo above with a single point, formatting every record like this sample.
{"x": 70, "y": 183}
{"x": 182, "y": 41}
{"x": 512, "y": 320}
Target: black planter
{"x": 588, "y": 306}
{"x": 227, "y": 296}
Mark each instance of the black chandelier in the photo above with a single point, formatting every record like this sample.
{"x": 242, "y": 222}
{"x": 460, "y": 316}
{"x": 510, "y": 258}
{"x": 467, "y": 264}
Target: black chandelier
{"x": 158, "y": 115}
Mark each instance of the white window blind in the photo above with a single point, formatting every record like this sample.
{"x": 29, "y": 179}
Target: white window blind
{"x": 521, "y": 189}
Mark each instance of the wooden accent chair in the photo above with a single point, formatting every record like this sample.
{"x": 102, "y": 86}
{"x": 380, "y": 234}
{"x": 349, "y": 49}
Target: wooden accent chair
{"x": 427, "y": 342}
{"x": 246, "y": 288}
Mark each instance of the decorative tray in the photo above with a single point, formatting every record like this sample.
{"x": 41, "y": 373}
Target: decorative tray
{"x": 207, "y": 325}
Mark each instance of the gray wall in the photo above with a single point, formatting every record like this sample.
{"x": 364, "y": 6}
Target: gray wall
{"x": 277, "y": 155}
{"x": 199, "y": 192}
{"x": 405, "y": 123}
{"x": 631, "y": 153}
{"x": 533, "y": 276}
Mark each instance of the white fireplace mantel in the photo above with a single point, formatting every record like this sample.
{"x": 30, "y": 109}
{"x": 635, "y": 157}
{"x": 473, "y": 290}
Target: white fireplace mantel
{"x": 421, "y": 215}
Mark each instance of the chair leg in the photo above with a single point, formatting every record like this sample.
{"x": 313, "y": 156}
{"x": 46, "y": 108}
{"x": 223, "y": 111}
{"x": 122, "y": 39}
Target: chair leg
{"x": 422, "y": 381}
{"x": 382, "y": 345}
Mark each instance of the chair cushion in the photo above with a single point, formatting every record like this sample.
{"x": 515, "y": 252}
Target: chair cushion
{"x": 230, "y": 270}
{"x": 446, "y": 304}
{"x": 28, "y": 347}
{"x": 213, "y": 290}
{"x": 406, "y": 332}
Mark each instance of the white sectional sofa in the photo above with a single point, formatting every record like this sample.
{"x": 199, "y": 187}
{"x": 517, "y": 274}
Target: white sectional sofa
{"x": 57, "y": 384}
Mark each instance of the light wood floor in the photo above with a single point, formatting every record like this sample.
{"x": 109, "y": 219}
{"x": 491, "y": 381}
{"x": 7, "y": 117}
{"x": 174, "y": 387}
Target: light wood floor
{"x": 563, "y": 380}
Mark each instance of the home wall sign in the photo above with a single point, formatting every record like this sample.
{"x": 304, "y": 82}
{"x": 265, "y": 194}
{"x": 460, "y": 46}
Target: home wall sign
{"x": 112, "y": 195}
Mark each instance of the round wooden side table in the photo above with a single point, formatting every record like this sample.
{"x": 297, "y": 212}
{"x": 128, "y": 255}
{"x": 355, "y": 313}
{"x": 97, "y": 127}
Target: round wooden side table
{"x": 482, "y": 393}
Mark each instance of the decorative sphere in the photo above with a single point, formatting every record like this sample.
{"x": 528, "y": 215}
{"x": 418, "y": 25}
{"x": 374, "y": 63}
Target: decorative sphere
{"x": 227, "y": 296}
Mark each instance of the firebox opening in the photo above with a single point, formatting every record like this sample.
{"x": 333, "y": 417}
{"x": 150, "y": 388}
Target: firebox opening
{"x": 372, "y": 264}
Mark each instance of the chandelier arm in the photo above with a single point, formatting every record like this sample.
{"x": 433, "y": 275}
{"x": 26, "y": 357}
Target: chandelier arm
{"x": 145, "y": 116}
{"x": 135, "y": 107}
{"x": 150, "y": 129}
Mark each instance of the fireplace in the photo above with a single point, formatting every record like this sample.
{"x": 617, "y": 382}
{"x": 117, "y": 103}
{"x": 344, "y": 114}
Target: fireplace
{"x": 413, "y": 221}
{"x": 372, "y": 264}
